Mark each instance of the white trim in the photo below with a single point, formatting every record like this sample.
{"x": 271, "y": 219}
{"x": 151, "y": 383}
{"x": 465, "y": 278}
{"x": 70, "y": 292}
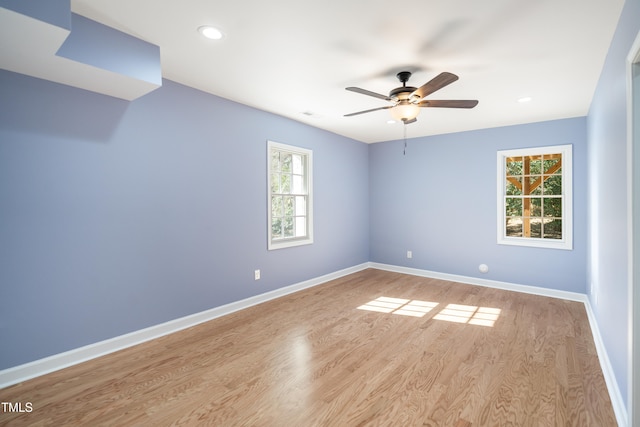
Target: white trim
{"x": 617, "y": 401}
{"x": 567, "y": 198}
{"x": 607, "y": 370}
{"x": 633, "y": 244}
{"x": 527, "y": 289}
{"x": 59, "y": 361}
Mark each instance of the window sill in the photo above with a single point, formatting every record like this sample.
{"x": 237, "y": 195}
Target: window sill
{"x": 536, "y": 243}
{"x": 289, "y": 243}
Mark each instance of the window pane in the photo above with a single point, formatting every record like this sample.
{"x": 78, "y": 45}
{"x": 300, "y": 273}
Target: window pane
{"x": 553, "y": 185}
{"x": 551, "y": 162}
{"x": 286, "y": 162}
{"x": 514, "y": 186}
{"x": 298, "y": 187}
{"x": 526, "y": 206}
{"x": 553, "y": 207}
{"x": 553, "y": 229}
{"x": 275, "y": 182}
{"x": 535, "y": 165}
{"x": 514, "y": 227}
{"x": 536, "y": 207}
{"x": 275, "y": 160}
{"x": 276, "y": 228}
{"x": 301, "y": 226}
{"x": 537, "y": 191}
{"x": 514, "y": 166}
{"x": 288, "y": 206}
{"x": 513, "y": 206}
{"x": 297, "y": 164}
{"x": 301, "y": 205}
{"x": 533, "y": 189}
{"x": 276, "y": 206}
{"x": 288, "y": 227}
{"x": 535, "y": 225}
{"x": 285, "y": 184}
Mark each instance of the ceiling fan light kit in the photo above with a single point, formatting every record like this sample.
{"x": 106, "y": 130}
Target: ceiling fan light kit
{"x": 407, "y": 100}
{"x": 405, "y": 111}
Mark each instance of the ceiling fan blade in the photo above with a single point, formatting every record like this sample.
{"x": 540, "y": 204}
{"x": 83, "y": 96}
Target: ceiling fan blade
{"x": 436, "y": 83}
{"x": 449, "y": 103}
{"x": 368, "y": 111}
{"x": 368, "y": 92}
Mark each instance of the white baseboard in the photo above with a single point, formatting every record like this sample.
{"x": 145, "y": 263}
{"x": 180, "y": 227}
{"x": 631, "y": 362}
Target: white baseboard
{"x": 617, "y": 402}
{"x": 619, "y": 406}
{"x": 554, "y": 293}
{"x": 59, "y": 361}
{"x": 56, "y": 362}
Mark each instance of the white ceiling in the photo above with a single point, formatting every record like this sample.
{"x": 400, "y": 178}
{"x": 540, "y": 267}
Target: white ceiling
{"x": 292, "y": 57}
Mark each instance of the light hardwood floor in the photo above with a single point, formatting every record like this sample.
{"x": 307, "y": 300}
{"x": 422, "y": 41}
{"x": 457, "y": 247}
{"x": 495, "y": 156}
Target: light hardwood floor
{"x": 314, "y": 358}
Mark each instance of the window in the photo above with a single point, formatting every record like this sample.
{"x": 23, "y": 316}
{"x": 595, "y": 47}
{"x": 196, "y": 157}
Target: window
{"x": 290, "y": 190}
{"x": 534, "y": 197}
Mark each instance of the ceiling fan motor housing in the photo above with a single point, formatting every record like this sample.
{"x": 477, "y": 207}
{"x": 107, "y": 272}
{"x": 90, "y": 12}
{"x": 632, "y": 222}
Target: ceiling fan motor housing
{"x": 404, "y": 92}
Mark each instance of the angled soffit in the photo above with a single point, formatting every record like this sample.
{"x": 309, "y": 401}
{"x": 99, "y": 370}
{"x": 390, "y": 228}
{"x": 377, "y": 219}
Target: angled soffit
{"x": 44, "y": 39}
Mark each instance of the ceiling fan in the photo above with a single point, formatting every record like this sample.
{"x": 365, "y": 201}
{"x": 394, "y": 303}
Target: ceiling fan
{"x": 407, "y": 100}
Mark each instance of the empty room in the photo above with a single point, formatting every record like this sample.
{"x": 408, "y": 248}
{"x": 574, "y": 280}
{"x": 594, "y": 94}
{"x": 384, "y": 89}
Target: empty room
{"x": 358, "y": 213}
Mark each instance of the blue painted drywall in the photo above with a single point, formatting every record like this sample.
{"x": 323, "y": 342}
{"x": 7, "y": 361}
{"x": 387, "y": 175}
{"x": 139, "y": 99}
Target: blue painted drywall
{"x": 93, "y": 43}
{"x": 116, "y": 216}
{"x": 55, "y": 12}
{"x": 608, "y": 230}
{"x": 439, "y": 201}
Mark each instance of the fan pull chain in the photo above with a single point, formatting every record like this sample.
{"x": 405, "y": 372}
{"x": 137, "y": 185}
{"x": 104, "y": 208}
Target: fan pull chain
{"x": 404, "y": 151}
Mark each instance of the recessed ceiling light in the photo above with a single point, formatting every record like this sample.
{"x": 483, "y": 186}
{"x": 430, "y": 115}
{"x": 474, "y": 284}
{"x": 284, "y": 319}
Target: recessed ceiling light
{"x": 525, "y": 99}
{"x": 390, "y": 122}
{"x": 210, "y": 32}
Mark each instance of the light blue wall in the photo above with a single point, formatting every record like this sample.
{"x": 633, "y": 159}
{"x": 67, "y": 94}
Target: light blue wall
{"x": 439, "y": 201}
{"x": 115, "y": 216}
{"x": 607, "y": 163}
{"x": 56, "y": 12}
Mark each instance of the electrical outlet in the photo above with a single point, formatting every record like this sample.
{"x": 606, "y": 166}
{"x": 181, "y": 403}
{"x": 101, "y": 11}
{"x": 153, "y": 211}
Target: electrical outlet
{"x": 256, "y": 274}
{"x": 409, "y": 254}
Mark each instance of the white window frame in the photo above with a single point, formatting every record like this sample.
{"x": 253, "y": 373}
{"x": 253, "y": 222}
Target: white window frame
{"x": 287, "y": 242}
{"x": 567, "y": 198}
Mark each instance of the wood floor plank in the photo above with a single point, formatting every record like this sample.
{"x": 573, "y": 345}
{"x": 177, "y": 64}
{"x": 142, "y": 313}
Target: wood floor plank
{"x": 479, "y": 357}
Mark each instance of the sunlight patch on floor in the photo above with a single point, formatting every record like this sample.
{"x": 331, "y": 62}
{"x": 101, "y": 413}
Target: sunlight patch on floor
{"x": 458, "y": 313}
{"x": 473, "y": 315}
{"x": 405, "y": 307}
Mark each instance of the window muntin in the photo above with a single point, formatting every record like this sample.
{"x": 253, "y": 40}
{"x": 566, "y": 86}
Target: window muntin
{"x": 534, "y": 197}
{"x": 290, "y": 201}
